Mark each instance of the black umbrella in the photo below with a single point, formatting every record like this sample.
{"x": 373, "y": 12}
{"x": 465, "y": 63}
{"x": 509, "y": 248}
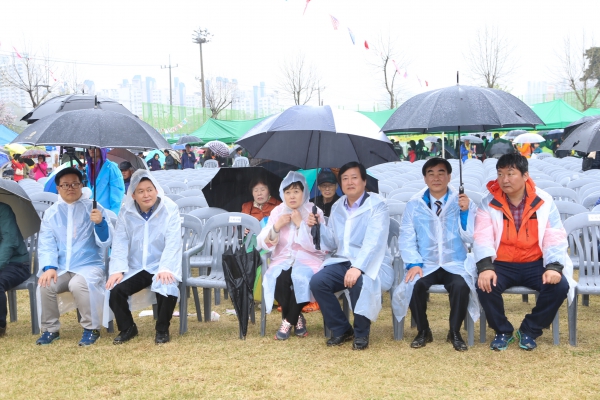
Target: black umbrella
{"x": 461, "y": 108}
{"x": 230, "y": 187}
{"x": 12, "y": 194}
{"x": 74, "y": 102}
{"x": 574, "y": 125}
{"x": 553, "y": 134}
{"x": 499, "y": 147}
{"x": 189, "y": 139}
{"x": 318, "y": 137}
{"x": 585, "y": 138}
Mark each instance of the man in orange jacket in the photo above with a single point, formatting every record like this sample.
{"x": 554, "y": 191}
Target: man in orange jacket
{"x": 519, "y": 240}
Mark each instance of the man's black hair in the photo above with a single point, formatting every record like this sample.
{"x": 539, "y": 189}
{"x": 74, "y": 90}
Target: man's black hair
{"x": 167, "y": 152}
{"x": 433, "y": 162}
{"x": 146, "y": 179}
{"x": 67, "y": 171}
{"x": 514, "y": 160}
{"x": 496, "y": 135}
{"x": 292, "y": 185}
{"x": 353, "y": 164}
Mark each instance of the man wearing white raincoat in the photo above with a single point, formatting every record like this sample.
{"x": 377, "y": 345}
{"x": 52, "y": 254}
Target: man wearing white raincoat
{"x": 146, "y": 252}
{"x": 356, "y": 233}
{"x": 294, "y": 259}
{"x": 72, "y": 240}
{"x": 437, "y": 225}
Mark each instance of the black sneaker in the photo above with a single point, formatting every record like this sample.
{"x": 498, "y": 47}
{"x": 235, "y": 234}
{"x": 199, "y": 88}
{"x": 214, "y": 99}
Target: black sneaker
{"x": 300, "y": 328}
{"x": 126, "y": 335}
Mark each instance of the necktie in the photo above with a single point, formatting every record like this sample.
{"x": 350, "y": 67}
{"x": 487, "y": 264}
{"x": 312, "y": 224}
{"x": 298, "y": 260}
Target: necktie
{"x": 439, "y": 208}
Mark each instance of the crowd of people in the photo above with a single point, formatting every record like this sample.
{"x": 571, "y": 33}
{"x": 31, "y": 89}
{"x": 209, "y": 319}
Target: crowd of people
{"x": 516, "y": 237}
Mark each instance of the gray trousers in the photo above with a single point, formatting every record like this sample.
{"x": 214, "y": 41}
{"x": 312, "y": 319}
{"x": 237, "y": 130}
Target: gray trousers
{"x": 77, "y": 285}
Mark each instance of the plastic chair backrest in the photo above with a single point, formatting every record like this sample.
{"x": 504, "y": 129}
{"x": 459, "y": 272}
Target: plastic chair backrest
{"x": 40, "y": 208}
{"x": 192, "y": 193}
{"x": 174, "y": 197}
{"x": 196, "y": 184}
{"x": 396, "y": 210}
{"x": 405, "y": 197}
{"x": 241, "y": 162}
{"x": 205, "y": 213}
{"x": 590, "y": 200}
{"x": 211, "y": 164}
{"x": 191, "y": 230}
{"x": 44, "y": 197}
{"x": 583, "y": 230}
{"x": 188, "y": 204}
{"x": 578, "y": 183}
{"x": 174, "y": 187}
{"x": 563, "y": 194}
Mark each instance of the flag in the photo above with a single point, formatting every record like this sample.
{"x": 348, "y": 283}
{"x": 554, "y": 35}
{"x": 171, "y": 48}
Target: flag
{"x": 307, "y": 1}
{"x": 334, "y": 22}
{"x": 366, "y": 45}
{"x": 396, "y": 66}
{"x": 351, "y": 35}
{"x": 18, "y": 55}
{"x": 419, "y": 79}
{"x": 426, "y": 83}
{"x": 405, "y": 74}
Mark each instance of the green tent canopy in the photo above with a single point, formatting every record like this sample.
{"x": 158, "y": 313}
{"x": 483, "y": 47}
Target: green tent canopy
{"x": 556, "y": 114}
{"x": 379, "y": 117}
{"x": 591, "y": 111}
{"x": 225, "y": 131}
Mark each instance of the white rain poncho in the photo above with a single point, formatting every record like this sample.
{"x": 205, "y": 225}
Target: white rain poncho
{"x": 436, "y": 242}
{"x": 360, "y": 238}
{"x": 68, "y": 241}
{"x": 153, "y": 245}
{"x": 293, "y": 248}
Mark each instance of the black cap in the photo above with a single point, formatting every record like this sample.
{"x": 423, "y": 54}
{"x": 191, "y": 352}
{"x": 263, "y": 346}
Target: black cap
{"x": 326, "y": 176}
{"x": 125, "y": 165}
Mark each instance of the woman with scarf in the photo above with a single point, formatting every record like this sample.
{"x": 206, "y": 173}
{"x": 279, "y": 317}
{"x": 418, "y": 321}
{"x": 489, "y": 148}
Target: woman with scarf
{"x": 106, "y": 177}
{"x": 294, "y": 258}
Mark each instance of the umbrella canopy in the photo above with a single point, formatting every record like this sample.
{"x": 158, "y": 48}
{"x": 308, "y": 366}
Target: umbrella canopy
{"x": 4, "y": 159}
{"x": 574, "y": 125}
{"x": 175, "y": 155}
{"x": 513, "y": 134}
{"x": 92, "y": 128}
{"x": 432, "y": 139}
{"x": 35, "y": 153}
{"x": 6, "y": 135}
{"x": 313, "y": 137}
{"x": 191, "y": 140}
{"x": 161, "y": 156}
{"x": 585, "y": 138}
{"x": 234, "y": 149}
{"x": 218, "y": 148}
{"x": 120, "y": 155}
{"x": 471, "y": 138}
{"x": 74, "y": 102}
{"x": 230, "y": 187}
{"x": 499, "y": 147}
{"x": 529, "y": 138}
{"x": 15, "y": 148}
{"x": 16, "y": 198}
{"x": 553, "y": 134}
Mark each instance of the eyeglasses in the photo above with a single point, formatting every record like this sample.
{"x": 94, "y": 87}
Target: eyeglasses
{"x": 74, "y": 185}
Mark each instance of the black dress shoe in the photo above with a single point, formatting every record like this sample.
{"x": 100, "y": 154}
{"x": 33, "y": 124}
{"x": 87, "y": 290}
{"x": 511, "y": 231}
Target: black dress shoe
{"x": 162, "y": 337}
{"x": 338, "y": 340}
{"x": 457, "y": 341}
{"x": 126, "y": 335}
{"x": 360, "y": 343}
{"x": 422, "y": 338}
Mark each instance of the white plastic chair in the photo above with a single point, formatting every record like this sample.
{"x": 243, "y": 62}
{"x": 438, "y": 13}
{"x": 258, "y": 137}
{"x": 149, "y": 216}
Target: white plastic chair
{"x": 240, "y": 162}
{"x": 211, "y": 164}
{"x": 44, "y": 197}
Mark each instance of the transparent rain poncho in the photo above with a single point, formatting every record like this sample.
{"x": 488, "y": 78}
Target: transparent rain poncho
{"x": 361, "y": 238}
{"x": 68, "y": 241}
{"x": 292, "y": 248}
{"x": 436, "y": 242}
{"x": 153, "y": 245}
{"x": 551, "y": 234}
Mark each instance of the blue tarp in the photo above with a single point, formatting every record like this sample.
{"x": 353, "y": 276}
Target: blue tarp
{"x": 6, "y": 135}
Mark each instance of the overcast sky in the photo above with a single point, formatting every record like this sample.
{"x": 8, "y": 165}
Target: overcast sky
{"x": 251, "y": 37}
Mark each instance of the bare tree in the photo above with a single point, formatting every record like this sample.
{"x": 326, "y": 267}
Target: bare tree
{"x": 219, "y": 95}
{"x": 6, "y": 115}
{"x": 577, "y": 69}
{"x": 32, "y": 74}
{"x": 489, "y": 57}
{"x": 390, "y": 61}
{"x": 71, "y": 82}
{"x": 299, "y": 79}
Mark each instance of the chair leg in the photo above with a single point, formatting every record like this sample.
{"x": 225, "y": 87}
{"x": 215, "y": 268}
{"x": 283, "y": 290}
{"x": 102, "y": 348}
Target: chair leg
{"x": 585, "y": 300}
{"x": 12, "y": 304}
{"x": 572, "y": 316}
{"x": 155, "y": 311}
{"x": 207, "y": 304}
{"x": 183, "y": 305}
{"x": 197, "y": 303}
{"x": 346, "y": 306}
{"x": 217, "y": 297}
{"x": 525, "y": 298}
{"x": 111, "y": 327}
{"x": 482, "y": 326}
{"x": 555, "y": 330}
{"x": 225, "y": 294}
{"x": 33, "y": 309}
{"x": 263, "y": 316}
{"x": 470, "y": 330}
{"x": 413, "y": 323}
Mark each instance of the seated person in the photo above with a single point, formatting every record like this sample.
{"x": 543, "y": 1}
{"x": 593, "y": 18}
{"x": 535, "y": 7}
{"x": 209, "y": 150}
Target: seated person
{"x": 294, "y": 257}
{"x": 146, "y": 252}
{"x": 436, "y": 228}
{"x": 107, "y": 178}
{"x": 519, "y": 240}
{"x": 126, "y": 170}
{"x": 14, "y": 259}
{"x": 72, "y": 240}
{"x": 327, "y": 184}
{"x": 263, "y": 203}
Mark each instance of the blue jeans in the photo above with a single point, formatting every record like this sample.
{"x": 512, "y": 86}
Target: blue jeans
{"x": 12, "y": 275}
{"x": 323, "y": 285}
{"x": 529, "y": 275}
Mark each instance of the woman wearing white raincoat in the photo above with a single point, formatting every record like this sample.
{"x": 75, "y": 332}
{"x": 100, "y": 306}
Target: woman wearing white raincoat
{"x": 435, "y": 245}
{"x": 356, "y": 234}
{"x": 294, "y": 259}
{"x": 146, "y": 252}
{"x": 72, "y": 241}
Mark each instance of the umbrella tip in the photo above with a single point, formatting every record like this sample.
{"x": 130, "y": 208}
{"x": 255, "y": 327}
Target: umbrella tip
{"x": 457, "y": 80}
{"x": 95, "y": 101}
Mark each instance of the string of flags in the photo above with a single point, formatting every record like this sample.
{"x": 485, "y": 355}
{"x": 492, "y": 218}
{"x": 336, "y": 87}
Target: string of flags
{"x": 176, "y": 127}
{"x": 16, "y": 52}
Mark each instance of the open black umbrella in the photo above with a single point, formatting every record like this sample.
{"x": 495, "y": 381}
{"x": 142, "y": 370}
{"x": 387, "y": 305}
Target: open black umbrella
{"x": 119, "y": 155}
{"x": 12, "y": 194}
{"x": 230, "y": 187}
{"x": 585, "y": 138}
{"x": 461, "y": 109}
{"x": 189, "y": 139}
{"x": 553, "y": 134}
{"x": 574, "y": 125}
{"x": 74, "y": 102}
{"x": 499, "y": 147}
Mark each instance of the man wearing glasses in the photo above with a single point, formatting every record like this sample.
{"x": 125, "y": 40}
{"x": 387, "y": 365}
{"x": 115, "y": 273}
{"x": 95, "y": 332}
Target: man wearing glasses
{"x": 72, "y": 240}
{"x": 327, "y": 184}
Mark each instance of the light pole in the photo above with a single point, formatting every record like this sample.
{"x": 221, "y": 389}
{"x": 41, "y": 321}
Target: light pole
{"x": 202, "y": 36}
{"x": 170, "y": 88}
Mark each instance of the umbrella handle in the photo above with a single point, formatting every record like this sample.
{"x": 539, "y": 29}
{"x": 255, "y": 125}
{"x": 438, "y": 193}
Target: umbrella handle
{"x": 461, "y": 189}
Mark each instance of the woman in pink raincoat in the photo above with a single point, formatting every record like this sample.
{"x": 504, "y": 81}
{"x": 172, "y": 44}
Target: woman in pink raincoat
{"x": 294, "y": 259}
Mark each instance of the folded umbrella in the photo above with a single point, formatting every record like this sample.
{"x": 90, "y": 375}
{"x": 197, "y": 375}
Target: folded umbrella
{"x": 12, "y": 194}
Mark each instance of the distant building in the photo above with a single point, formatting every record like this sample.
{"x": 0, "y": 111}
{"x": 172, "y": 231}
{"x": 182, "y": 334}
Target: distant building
{"x": 11, "y": 94}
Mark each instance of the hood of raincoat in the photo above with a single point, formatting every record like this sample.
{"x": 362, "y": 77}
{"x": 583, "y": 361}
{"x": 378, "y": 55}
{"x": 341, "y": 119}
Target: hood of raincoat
{"x": 135, "y": 180}
{"x": 290, "y": 178}
{"x": 99, "y": 163}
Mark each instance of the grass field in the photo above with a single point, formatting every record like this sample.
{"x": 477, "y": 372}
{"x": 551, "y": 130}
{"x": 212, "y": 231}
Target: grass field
{"x": 210, "y": 362}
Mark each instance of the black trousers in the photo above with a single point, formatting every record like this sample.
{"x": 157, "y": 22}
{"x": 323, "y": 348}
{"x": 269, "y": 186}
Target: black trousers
{"x": 12, "y": 275}
{"x": 120, "y": 307}
{"x": 458, "y": 291}
{"x": 285, "y": 296}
